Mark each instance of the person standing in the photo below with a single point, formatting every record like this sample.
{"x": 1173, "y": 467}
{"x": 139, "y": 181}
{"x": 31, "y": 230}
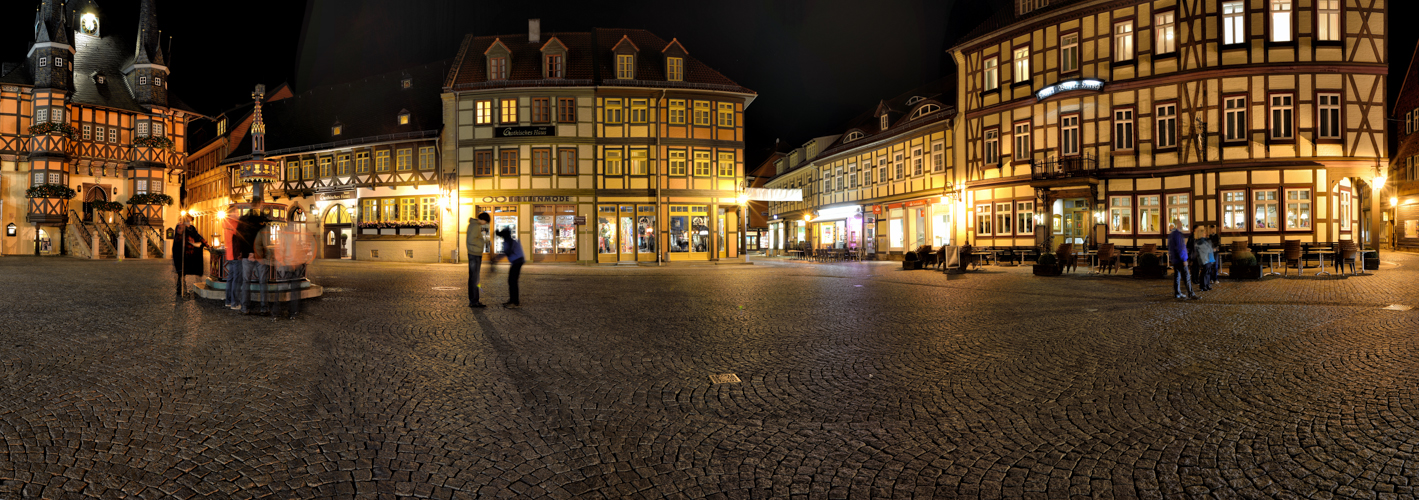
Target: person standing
{"x": 1177, "y": 257}
{"x": 229, "y": 235}
{"x": 1204, "y": 258}
{"x": 187, "y": 245}
{"x": 1216, "y": 237}
{"x": 476, "y": 240}
{"x": 245, "y": 240}
{"x": 261, "y": 251}
{"x": 513, "y": 251}
{"x": 284, "y": 249}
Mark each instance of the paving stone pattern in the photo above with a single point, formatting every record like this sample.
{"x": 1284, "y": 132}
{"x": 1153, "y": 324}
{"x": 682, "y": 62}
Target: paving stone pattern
{"x": 858, "y": 380}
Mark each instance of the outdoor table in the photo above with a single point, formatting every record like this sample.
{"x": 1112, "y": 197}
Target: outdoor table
{"x": 1223, "y": 256}
{"x": 1275, "y": 259}
{"x": 1322, "y": 254}
{"x": 1093, "y": 257}
{"x": 792, "y": 256}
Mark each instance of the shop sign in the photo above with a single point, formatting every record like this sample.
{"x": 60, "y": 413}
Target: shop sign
{"x": 580, "y": 220}
{"x": 525, "y": 131}
{"x": 526, "y": 199}
{"x": 916, "y": 203}
{"x": 341, "y": 195}
{"x": 877, "y": 209}
{"x": 894, "y": 206}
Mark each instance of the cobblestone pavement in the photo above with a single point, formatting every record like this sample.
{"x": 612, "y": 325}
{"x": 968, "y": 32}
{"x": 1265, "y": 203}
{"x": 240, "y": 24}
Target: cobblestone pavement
{"x": 858, "y": 380}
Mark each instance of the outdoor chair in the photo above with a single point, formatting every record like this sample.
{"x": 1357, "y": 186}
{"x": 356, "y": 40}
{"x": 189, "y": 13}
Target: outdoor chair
{"x": 968, "y": 257}
{"x": 1068, "y": 261}
{"x": 926, "y": 256}
{"x": 1292, "y": 254}
{"x": 1349, "y": 253}
{"x": 1108, "y": 257}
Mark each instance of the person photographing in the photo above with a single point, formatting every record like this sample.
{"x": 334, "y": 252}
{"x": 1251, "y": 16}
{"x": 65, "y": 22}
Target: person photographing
{"x": 512, "y": 250}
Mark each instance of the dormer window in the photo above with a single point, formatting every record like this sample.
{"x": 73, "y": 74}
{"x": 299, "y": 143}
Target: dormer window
{"x": 157, "y": 82}
{"x": 555, "y": 68}
{"x": 925, "y": 110}
{"x": 885, "y": 123}
{"x": 142, "y": 80}
{"x": 625, "y": 67}
{"x": 43, "y": 62}
{"x": 852, "y": 136}
{"x": 915, "y": 99}
{"x": 406, "y": 83}
{"x": 100, "y": 79}
{"x": 675, "y": 69}
{"x": 404, "y": 117}
{"x": 337, "y": 129}
{"x": 497, "y": 68}
{"x": 222, "y": 126}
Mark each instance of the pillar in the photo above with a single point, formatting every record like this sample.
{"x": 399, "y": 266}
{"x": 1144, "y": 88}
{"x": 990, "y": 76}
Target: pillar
{"x": 119, "y": 247}
{"x": 94, "y": 244}
{"x": 143, "y": 253}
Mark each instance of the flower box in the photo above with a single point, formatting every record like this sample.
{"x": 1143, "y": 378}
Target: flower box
{"x": 388, "y": 231}
{"x": 369, "y": 230}
{"x": 428, "y": 231}
{"x": 408, "y": 231}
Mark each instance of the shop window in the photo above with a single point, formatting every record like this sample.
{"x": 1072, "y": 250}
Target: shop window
{"x": 1298, "y": 209}
{"x": 645, "y": 229}
{"x": 1265, "y": 208}
{"x": 1120, "y": 214}
{"x": 896, "y": 234}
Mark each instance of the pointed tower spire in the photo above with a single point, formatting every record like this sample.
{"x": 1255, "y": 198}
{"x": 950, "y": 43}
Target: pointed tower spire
{"x": 149, "y": 50}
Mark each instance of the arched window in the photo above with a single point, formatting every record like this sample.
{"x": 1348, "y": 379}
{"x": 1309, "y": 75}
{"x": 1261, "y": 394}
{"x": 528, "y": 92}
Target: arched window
{"x": 915, "y": 99}
{"x": 852, "y": 136}
{"x": 337, "y": 214}
{"x": 925, "y": 110}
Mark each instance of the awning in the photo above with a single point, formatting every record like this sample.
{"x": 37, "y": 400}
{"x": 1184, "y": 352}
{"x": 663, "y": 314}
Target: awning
{"x": 766, "y": 194}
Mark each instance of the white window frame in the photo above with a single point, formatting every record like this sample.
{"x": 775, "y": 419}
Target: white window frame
{"x": 1125, "y": 132}
{"x": 1069, "y": 135}
{"x": 1150, "y": 205}
{"x": 113, "y": 134}
{"x": 88, "y": 131}
{"x": 1023, "y": 147}
{"x": 938, "y": 159}
{"x": 1123, "y": 41}
{"x": 992, "y": 73}
{"x": 44, "y": 62}
{"x": 1328, "y": 124}
{"x": 1259, "y": 203}
{"x": 882, "y": 169}
{"x": 1120, "y": 215}
{"x": 1234, "y": 15}
{"x": 1179, "y": 208}
{"x": 1234, "y": 211}
{"x": 1004, "y": 219}
{"x": 41, "y": 115}
{"x": 1165, "y": 135}
{"x": 885, "y": 121}
{"x": 1069, "y": 52}
{"x": 1328, "y": 27}
{"x": 984, "y": 216}
{"x": 990, "y": 150}
{"x": 1025, "y": 217}
{"x": 1299, "y": 202}
{"x": 1345, "y": 206}
{"x": 1235, "y": 119}
{"x": 1281, "y": 13}
{"x": 1021, "y": 64}
{"x": 1165, "y": 33}
{"x": 142, "y": 129}
{"x": 918, "y": 162}
{"x": 899, "y": 167}
{"x": 1281, "y": 123}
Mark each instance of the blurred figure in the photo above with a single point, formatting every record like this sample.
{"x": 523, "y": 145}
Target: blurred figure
{"x": 513, "y": 251}
{"x": 244, "y": 241}
{"x": 476, "y": 240}
{"x": 284, "y": 249}
{"x": 229, "y": 235}
{"x": 187, "y": 245}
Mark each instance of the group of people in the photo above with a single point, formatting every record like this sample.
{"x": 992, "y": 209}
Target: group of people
{"x": 266, "y": 247}
{"x": 512, "y": 250}
{"x": 1193, "y": 254}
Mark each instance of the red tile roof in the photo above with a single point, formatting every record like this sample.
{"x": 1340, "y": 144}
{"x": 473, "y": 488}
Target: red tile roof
{"x": 589, "y": 61}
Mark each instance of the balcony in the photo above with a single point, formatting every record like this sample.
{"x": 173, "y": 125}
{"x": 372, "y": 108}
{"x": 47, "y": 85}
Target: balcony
{"x": 48, "y": 211}
{"x": 1065, "y": 168}
{"x": 51, "y": 145}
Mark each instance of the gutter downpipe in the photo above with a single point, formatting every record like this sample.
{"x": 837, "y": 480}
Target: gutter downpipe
{"x": 659, "y": 215}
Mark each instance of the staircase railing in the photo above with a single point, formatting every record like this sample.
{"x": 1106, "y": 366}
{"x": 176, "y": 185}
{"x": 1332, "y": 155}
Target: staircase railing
{"x": 107, "y": 233}
{"x": 86, "y": 231}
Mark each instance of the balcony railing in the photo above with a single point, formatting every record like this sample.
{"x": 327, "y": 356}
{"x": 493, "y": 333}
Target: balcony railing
{"x": 1065, "y": 167}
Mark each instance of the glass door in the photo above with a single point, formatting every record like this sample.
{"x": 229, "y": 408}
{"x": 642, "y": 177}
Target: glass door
{"x": 606, "y": 233}
{"x": 566, "y": 233}
{"x": 628, "y": 234}
{"x": 543, "y": 233}
{"x": 722, "y": 252}
{"x": 645, "y": 233}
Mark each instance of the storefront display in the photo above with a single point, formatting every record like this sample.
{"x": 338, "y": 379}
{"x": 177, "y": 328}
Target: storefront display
{"x": 628, "y": 232}
{"x": 554, "y": 233}
{"x": 645, "y": 232}
{"x": 606, "y": 230}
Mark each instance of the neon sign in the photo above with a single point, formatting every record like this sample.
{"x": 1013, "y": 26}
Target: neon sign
{"x": 1068, "y": 85}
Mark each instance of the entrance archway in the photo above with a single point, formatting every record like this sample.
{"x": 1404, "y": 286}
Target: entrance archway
{"x": 335, "y": 237}
{"x": 91, "y": 195}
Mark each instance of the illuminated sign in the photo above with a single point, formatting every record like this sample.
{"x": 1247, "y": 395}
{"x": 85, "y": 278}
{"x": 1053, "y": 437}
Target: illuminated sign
{"x": 525, "y": 131}
{"x": 838, "y": 213}
{"x": 1069, "y": 85}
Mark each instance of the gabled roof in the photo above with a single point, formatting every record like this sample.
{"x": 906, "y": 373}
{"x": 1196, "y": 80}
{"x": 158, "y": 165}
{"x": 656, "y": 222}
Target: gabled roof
{"x": 589, "y": 61}
{"x": 497, "y": 44}
{"x": 549, "y": 43}
{"x": 941, "y": 92}
{"x": 366, "y": 109}
{"x": 625, "y": 40}
{"x": 674, "y": 42}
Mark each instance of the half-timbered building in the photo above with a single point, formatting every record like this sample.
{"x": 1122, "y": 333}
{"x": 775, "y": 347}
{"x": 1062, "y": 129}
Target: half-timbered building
{"x": 1401, "y": 193}
{"x": 607, "y": 146}
{"x": 1264, "y": 118}
{"x": 90, "y": 112}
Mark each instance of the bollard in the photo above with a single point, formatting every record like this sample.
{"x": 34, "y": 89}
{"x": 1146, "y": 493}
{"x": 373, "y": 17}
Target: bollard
{"x": 144, "y": 253}
{"x": 94, "y": 251}
{"x": 119, "y": 247}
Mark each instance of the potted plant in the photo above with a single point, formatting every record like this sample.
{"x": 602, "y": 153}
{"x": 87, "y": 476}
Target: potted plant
{"x": 148, "y": 207}
{"x": 408, "y": 228}
{"x": 54, "y": 128}
{"x": 106, "y": 206}
{"x": 910, "y": 261}
{"x": 155, "y": 142}
{"x": 388, "y": 228}
{"x": 1149, "y": 267}
{"x": 1244, "y": 265}
{"x": 1047, "y": 264}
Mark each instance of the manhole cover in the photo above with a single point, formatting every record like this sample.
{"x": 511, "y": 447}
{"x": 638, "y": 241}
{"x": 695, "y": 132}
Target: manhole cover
{"x": 724, "y": 378}
{"x": 859, "y": 286}
{"x": 1397, "y": 307}
{"x": 1091, "y": 310}
{"x": 446, "y": 288}
{"x": 337, "y": 289}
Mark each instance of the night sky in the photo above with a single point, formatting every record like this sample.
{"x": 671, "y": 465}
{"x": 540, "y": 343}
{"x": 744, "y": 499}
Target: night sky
{"x": 815, "y": 64}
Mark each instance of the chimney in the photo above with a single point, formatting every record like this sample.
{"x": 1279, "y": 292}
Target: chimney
{"x": 534, "y": 30}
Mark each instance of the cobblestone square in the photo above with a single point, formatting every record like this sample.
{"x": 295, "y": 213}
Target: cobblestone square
{"x": 855, "y": 380}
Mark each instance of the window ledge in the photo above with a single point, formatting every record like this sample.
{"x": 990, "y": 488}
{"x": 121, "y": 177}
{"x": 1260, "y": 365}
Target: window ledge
{"x": 1124, "y": 152}
{"x": 1021, "y": 83}
{"x": 1169, "y": 149}
{"x": 1281, "y": 142}
{"x": 1125, "y": 64}
{"x": 1234, "y": 46}
{"x": 1277, "y": 45}
{"x": 1330, "y": 140}
{"x": 1166, "y": 55}
{"x": 995, "y": 90}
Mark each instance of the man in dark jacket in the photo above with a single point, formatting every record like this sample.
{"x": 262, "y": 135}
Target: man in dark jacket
{"x": 244, "y": 243}
{"x": 187, "y": 245}
{"x": 1177, "y": 257}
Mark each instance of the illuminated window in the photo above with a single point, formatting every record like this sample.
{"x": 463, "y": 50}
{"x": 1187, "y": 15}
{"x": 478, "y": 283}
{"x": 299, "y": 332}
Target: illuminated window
{"x": 554, "y": 66}
{"x": 1123, "y": 129}
{"x": 1280, "y": 20}
{"x": 726, "y": 114}
{"x": 566, "y": 110}
{"x": 992, "y": 74}
{"x": 1069, "y": 53}
{"x": 1123, "y": 41}
{"x": 1069, "y": 135}
{"x": 1022, "y": 64}
{"x": 426, "y": 158}
{"x": 1235, "y": 119}
{"x": 325, "y": 165}
{"x": 677, "y": 112}
{"x": 381, "y": 160}
{"x": 613, "y": 111}
{"x": 404, "y": 160}
{"x": 408, "y": 209}
{"x": 1022, "y": 142}
{"x": 1298, "y": 209}
{"x": 938, "y": 160}
{"x": 1120, "y": 214}
{"x": 404, "y": 118}
{"x": 483, "y": 113}
{"x": 726, "y": 165}
{"x": 677, "y": 162}
{"x": 640, "y": 111}
{"x": 625, "y": 67}
{"x": 342, "y": 165}
{"x": 1281, "y": 117}
{"x": 1233, "y": 22}
{"x": 1165, "y": 34}
{"x": 157, "y": 129}
{"x": 337, "y": 129}
{"x": 1148, "y": 215}
{"x": 1002, "y": 218}
{"x": 702, "y": 163}
{"x": 611, "y": 165}
{"x": 675, "y": 68}
{"x": 1234, "y": 210}
{"x": 1167, "y": 131}
{"x": 1264, "y": 206}
{"x": 992, "y": 147}
{"x": 983, "y": 215}
{"x": 406, "y": 83}
{"x": 362, "y": 162}
{"x": 508, "y": 112}
{"x": 308, "y": 169}
{"x": 1178, "y": 210}
{"x": 507, "y": 162}
{"x": 702, "y": 113}
{"x": 1328, "y": 20}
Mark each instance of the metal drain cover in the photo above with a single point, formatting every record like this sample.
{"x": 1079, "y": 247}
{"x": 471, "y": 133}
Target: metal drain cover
{"x": 724, "y": 378}
{"x": 446, "y": 288}
{"x": 1397, "y": 307}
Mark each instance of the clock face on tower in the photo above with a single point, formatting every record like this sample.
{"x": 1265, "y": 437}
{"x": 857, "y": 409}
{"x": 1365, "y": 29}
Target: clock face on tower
{"x": 89, "y": 25}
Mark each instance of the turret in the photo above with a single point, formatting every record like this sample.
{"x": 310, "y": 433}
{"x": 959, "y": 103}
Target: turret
{"x": 51, "y": 56}
{"x": 148, "y": 74}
